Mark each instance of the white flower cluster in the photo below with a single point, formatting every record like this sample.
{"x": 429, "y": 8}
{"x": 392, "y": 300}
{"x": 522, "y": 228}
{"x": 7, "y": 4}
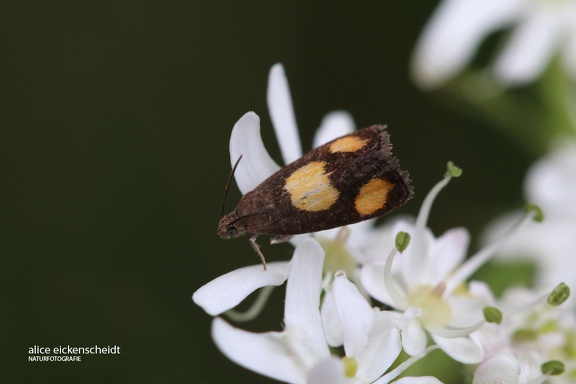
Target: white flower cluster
{"x": 550, "y": 183}
{"x": 541, "y": 30}
{"x": 423, "y": 280}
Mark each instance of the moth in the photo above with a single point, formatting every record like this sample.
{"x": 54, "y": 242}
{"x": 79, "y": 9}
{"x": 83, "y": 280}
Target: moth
{"x": 345, "y": 181}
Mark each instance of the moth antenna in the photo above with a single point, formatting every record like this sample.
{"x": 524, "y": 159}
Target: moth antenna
{"x": 248, "y": 215}
{"x": 228, "y": 186}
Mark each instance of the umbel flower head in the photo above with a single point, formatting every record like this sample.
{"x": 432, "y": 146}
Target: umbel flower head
{"x": 533, "y": 341}
{"x": 427, "y": 285}
{"x": 300, "y": 353}
{"x": 319, "y": 317}
{"x": 550, "y": 183}
{"x": 332, "y": 333}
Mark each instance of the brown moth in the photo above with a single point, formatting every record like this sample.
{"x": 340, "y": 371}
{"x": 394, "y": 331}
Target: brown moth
{"x": 348, "y": 180}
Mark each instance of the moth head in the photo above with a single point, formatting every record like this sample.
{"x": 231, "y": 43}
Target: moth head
{"x": 230, "y": 227}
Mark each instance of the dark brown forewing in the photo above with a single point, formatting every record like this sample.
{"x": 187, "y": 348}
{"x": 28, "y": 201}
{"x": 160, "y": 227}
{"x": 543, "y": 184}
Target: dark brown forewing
{"x": 269, "y": 210}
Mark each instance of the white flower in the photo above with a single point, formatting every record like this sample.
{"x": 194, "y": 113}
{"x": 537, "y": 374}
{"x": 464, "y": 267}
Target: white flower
{"x": 427, "y": 285}
{"x": 227, "y": 291}
{"x": 369, "y": 336}
{"x": 550, "y": 183}
{"x": 290, "y": 354}
{"x": 531, "y": 333}
{"x": 452, "y": 36}
{"x": 499, "y": 368}
{"x": 300, "y": 353}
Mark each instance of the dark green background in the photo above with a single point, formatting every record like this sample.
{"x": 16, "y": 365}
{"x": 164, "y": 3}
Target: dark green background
{"x": 115, "y": 118}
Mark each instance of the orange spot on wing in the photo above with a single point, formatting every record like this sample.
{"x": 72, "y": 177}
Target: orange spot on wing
{"x": 348, "y": 144}
{"x": 310, "y": 188}
{"x": 372, "y": 196}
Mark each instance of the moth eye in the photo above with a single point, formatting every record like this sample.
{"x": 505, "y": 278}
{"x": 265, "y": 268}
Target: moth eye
{"x": 232, "y": 232}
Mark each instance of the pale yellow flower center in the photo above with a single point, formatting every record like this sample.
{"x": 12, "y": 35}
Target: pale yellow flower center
{"x": 337, "y": 255}
{"x": 435, "y": 310}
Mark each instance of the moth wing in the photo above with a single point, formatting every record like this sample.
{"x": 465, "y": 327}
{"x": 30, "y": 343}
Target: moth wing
{"x": 350, "y": 179}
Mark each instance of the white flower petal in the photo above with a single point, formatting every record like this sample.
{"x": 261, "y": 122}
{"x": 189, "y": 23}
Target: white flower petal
{"x": 334, "y": 125}
{"x": 453, "y": 34}
{"x": 329, "y": 371}
{"x": 499, "y": 368}
{"x": 414, "y": 339}
{"x": 469, "y": 307}
{"x": 372, "y": 277}
{"x": 331, "y": 321}
{"x": 462, "y": 349}
{"x": 445, "y": 254}
{"x": 301, "y": 314}
{"x": 383, "y": 349}
{"x": 356, "y": 315}
{"x": 282, "y": 114}
{"x": 227, "y": 291}
{"x": 264, "y": 353}
{"x": 360, "y": 232}
{"x": 436, "y": 257}
{"x": 360, "y": 245}
{"x": 297, "y": 239}
{"x": 414, "y": 263}
{"x": 378, "y": 241}
{"x": 256, "y": 164}
{"x": 530, "y": 48}
{"x": 369, "y": 336}
{"x": 551, "y": 181}
{"x": 357, "y": 233}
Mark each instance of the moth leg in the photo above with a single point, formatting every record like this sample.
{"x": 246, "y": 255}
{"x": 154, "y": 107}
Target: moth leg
{"x": 277, "y": 239}
{"x": 256, "y": 247}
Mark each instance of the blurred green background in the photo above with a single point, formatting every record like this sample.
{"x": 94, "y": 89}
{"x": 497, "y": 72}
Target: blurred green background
{"x": 115, "y": 119}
